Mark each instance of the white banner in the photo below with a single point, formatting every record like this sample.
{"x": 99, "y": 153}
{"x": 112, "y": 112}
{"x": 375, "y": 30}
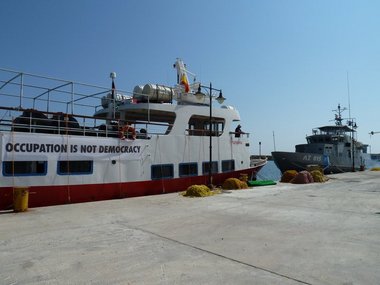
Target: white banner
{"x": 31, "y": 146}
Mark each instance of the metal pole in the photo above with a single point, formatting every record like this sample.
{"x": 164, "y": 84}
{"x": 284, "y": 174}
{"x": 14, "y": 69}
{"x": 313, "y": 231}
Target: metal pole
{"x": 113, "y": 98}
{"x": 21, "y": 89}
{"x": 48, "y": 102}
{"x": 210, "y": 134}
{"x": 260, "y": 149}
{"x": 72, "y": 98}
{"x": 353, "y": 148}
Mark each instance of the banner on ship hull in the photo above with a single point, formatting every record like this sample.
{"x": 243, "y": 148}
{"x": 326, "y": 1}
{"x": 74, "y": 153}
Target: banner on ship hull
{"x": 31, "y": 146}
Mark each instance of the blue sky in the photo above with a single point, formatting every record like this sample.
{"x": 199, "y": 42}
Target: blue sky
{"x": 282, "y": 64}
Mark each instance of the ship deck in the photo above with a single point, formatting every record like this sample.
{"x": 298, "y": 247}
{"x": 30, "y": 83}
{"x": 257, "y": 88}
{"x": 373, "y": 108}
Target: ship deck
{"x": 321, "y": 233}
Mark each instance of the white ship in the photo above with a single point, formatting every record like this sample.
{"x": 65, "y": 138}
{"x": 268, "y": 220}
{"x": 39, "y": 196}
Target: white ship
{"x": 156, "y": 139}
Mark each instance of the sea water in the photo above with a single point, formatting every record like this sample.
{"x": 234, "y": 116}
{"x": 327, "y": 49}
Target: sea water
{"x": 269, "y": 172}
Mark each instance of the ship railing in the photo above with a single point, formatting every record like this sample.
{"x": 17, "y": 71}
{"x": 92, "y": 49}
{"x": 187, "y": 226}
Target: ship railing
{"x": 237, "y": 135}
{"x": 28, "y": 91}
{"x": 215, "y": 133}
{"x": 33, "y": 121}
{"x": 20, "y": 92}
{"x": 59, "y": 125}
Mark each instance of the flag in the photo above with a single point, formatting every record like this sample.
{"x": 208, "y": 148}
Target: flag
{"x": 185, "y": 83}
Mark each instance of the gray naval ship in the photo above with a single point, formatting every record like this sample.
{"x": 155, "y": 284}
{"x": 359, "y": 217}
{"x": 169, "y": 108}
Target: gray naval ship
{"x": 334, "y": 148}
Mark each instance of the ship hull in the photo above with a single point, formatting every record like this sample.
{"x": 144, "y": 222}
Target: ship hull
{"x": 126, "y": 173}
{"x": 301, "y": 161}
{"x": 40, "y": 196}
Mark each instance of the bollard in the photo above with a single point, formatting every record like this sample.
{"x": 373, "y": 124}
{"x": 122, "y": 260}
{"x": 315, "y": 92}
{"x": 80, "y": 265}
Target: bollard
{"x": 20, "y": 199}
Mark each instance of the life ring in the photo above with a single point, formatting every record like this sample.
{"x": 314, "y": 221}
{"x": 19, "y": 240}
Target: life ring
{"x": 127, "y": 132}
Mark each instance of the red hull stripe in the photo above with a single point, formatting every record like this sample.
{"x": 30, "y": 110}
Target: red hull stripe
{"x": 40, "y": 196}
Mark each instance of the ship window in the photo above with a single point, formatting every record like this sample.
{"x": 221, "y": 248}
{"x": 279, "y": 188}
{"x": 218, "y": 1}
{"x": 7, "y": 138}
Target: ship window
{"x": 206, "y": 167}
{"x": 75, "y": 167}
{"x": 24, "y": 168}
{"x": 200, "y": 126}
{"x": 216, "y": 128}
{"x": 188, "y": 169}
{"x": 228, "y": 165}
{"x": 161, "y": 171}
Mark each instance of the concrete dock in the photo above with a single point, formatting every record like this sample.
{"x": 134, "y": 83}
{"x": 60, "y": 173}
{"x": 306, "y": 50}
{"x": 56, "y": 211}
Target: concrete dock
{"x": 320, "y": 233}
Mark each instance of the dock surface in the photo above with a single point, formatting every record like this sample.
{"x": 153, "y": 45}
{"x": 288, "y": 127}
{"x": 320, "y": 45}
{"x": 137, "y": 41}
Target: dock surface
{"x": 320, "y": 233}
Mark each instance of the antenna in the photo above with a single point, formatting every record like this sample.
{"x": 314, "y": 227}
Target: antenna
{"x": 348, "y": 94}
{"x": 338, "y": 116}
{"x": 274, "y": 142}
{"x": 372, "y": 133}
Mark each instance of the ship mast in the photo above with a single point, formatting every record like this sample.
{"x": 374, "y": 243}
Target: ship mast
{"x": 338, "y": 115}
